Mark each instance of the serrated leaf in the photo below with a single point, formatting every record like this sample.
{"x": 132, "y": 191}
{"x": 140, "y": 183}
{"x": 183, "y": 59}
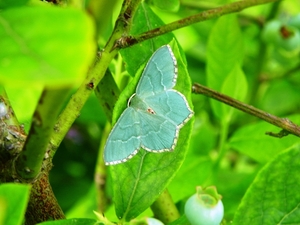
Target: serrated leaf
{"x": 144, "y": 20}
{"x": 235, "y": 85}
{"x": 273, "y": 197}
{"x": 45, "y": 46}
{"x": 138, "y": 182}
{"x": 251, "y": 140}
{"x": 224, "y": 52}
{"x": 15, "y": 198}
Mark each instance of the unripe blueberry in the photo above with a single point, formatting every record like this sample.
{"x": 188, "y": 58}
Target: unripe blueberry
{"x": 289, "y": 38}
{"x": 283, "y": 37}
{"x": 153, "y": 221}
{"x": 205, "y": 207}
{"x": 271, "y": 31}
{"x": 145, "y": 220}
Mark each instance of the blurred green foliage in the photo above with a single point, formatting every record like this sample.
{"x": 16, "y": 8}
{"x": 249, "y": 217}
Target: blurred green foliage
{"x": 270, "y": 81}
{"x": 271, "y": 87}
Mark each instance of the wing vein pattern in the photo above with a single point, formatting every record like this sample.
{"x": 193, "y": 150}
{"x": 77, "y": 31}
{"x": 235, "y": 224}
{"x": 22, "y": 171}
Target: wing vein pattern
{"x": 155, "y": 114}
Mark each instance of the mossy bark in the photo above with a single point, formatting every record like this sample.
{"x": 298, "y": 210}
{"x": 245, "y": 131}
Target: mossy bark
{"x": 42, "y": 204}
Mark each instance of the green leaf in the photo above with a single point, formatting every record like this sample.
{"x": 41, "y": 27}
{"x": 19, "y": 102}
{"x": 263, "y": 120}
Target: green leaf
{"x": 9, "y": 4}
{"x": 276, "y": 94}
{"x": 144, "y": 20}
{"x": 45, "y": 46}
{"x": 224, "y": 53}
{"x": 79, "y": 221}
{"x": 24, "y": 108}
{"x": 195, "y": 170}
{"x": 235, "y": 85}
{"x": 2, "y": 210}
{"x": 85, "y": 205}
{"x": 146, "y": 175}
{"x": 15, "y": 198}
{"x": 168, "y": 5}
{"x": 107, "y": 93}
{"x": 181, "y": 221}
{"x": 273, "y": 197}
{"x": 251, "y": 140}
{"x": 92, "y": 112}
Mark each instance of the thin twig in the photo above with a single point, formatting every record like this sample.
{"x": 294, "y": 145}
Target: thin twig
{"x": 283, "y": 123}
{"x": 199, "y": 5}
{"x": 205, "y": 15}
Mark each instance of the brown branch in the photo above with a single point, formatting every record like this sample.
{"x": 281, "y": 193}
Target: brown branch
{"x": 42, "y": 205}
{"x": 127, "y": 41}
{"x": 259, "y": 21}
{"x": 283, "y": 123}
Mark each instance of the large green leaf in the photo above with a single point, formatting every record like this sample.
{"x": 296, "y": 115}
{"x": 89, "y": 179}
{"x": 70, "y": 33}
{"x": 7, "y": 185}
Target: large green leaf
{"x": 24, "y": 106}
{"x": 251, "y": 140}
{"x": 138, "y": 182}
{"x": 270, "y": 98}
{"x": 196, "y": 168}
{"x": 224, "y": 55}
{"x": 45, "y": 46}
{"x": 14, "y": 198}
{"x": 235, "y": 85}
{"x": 273, "y": 197}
